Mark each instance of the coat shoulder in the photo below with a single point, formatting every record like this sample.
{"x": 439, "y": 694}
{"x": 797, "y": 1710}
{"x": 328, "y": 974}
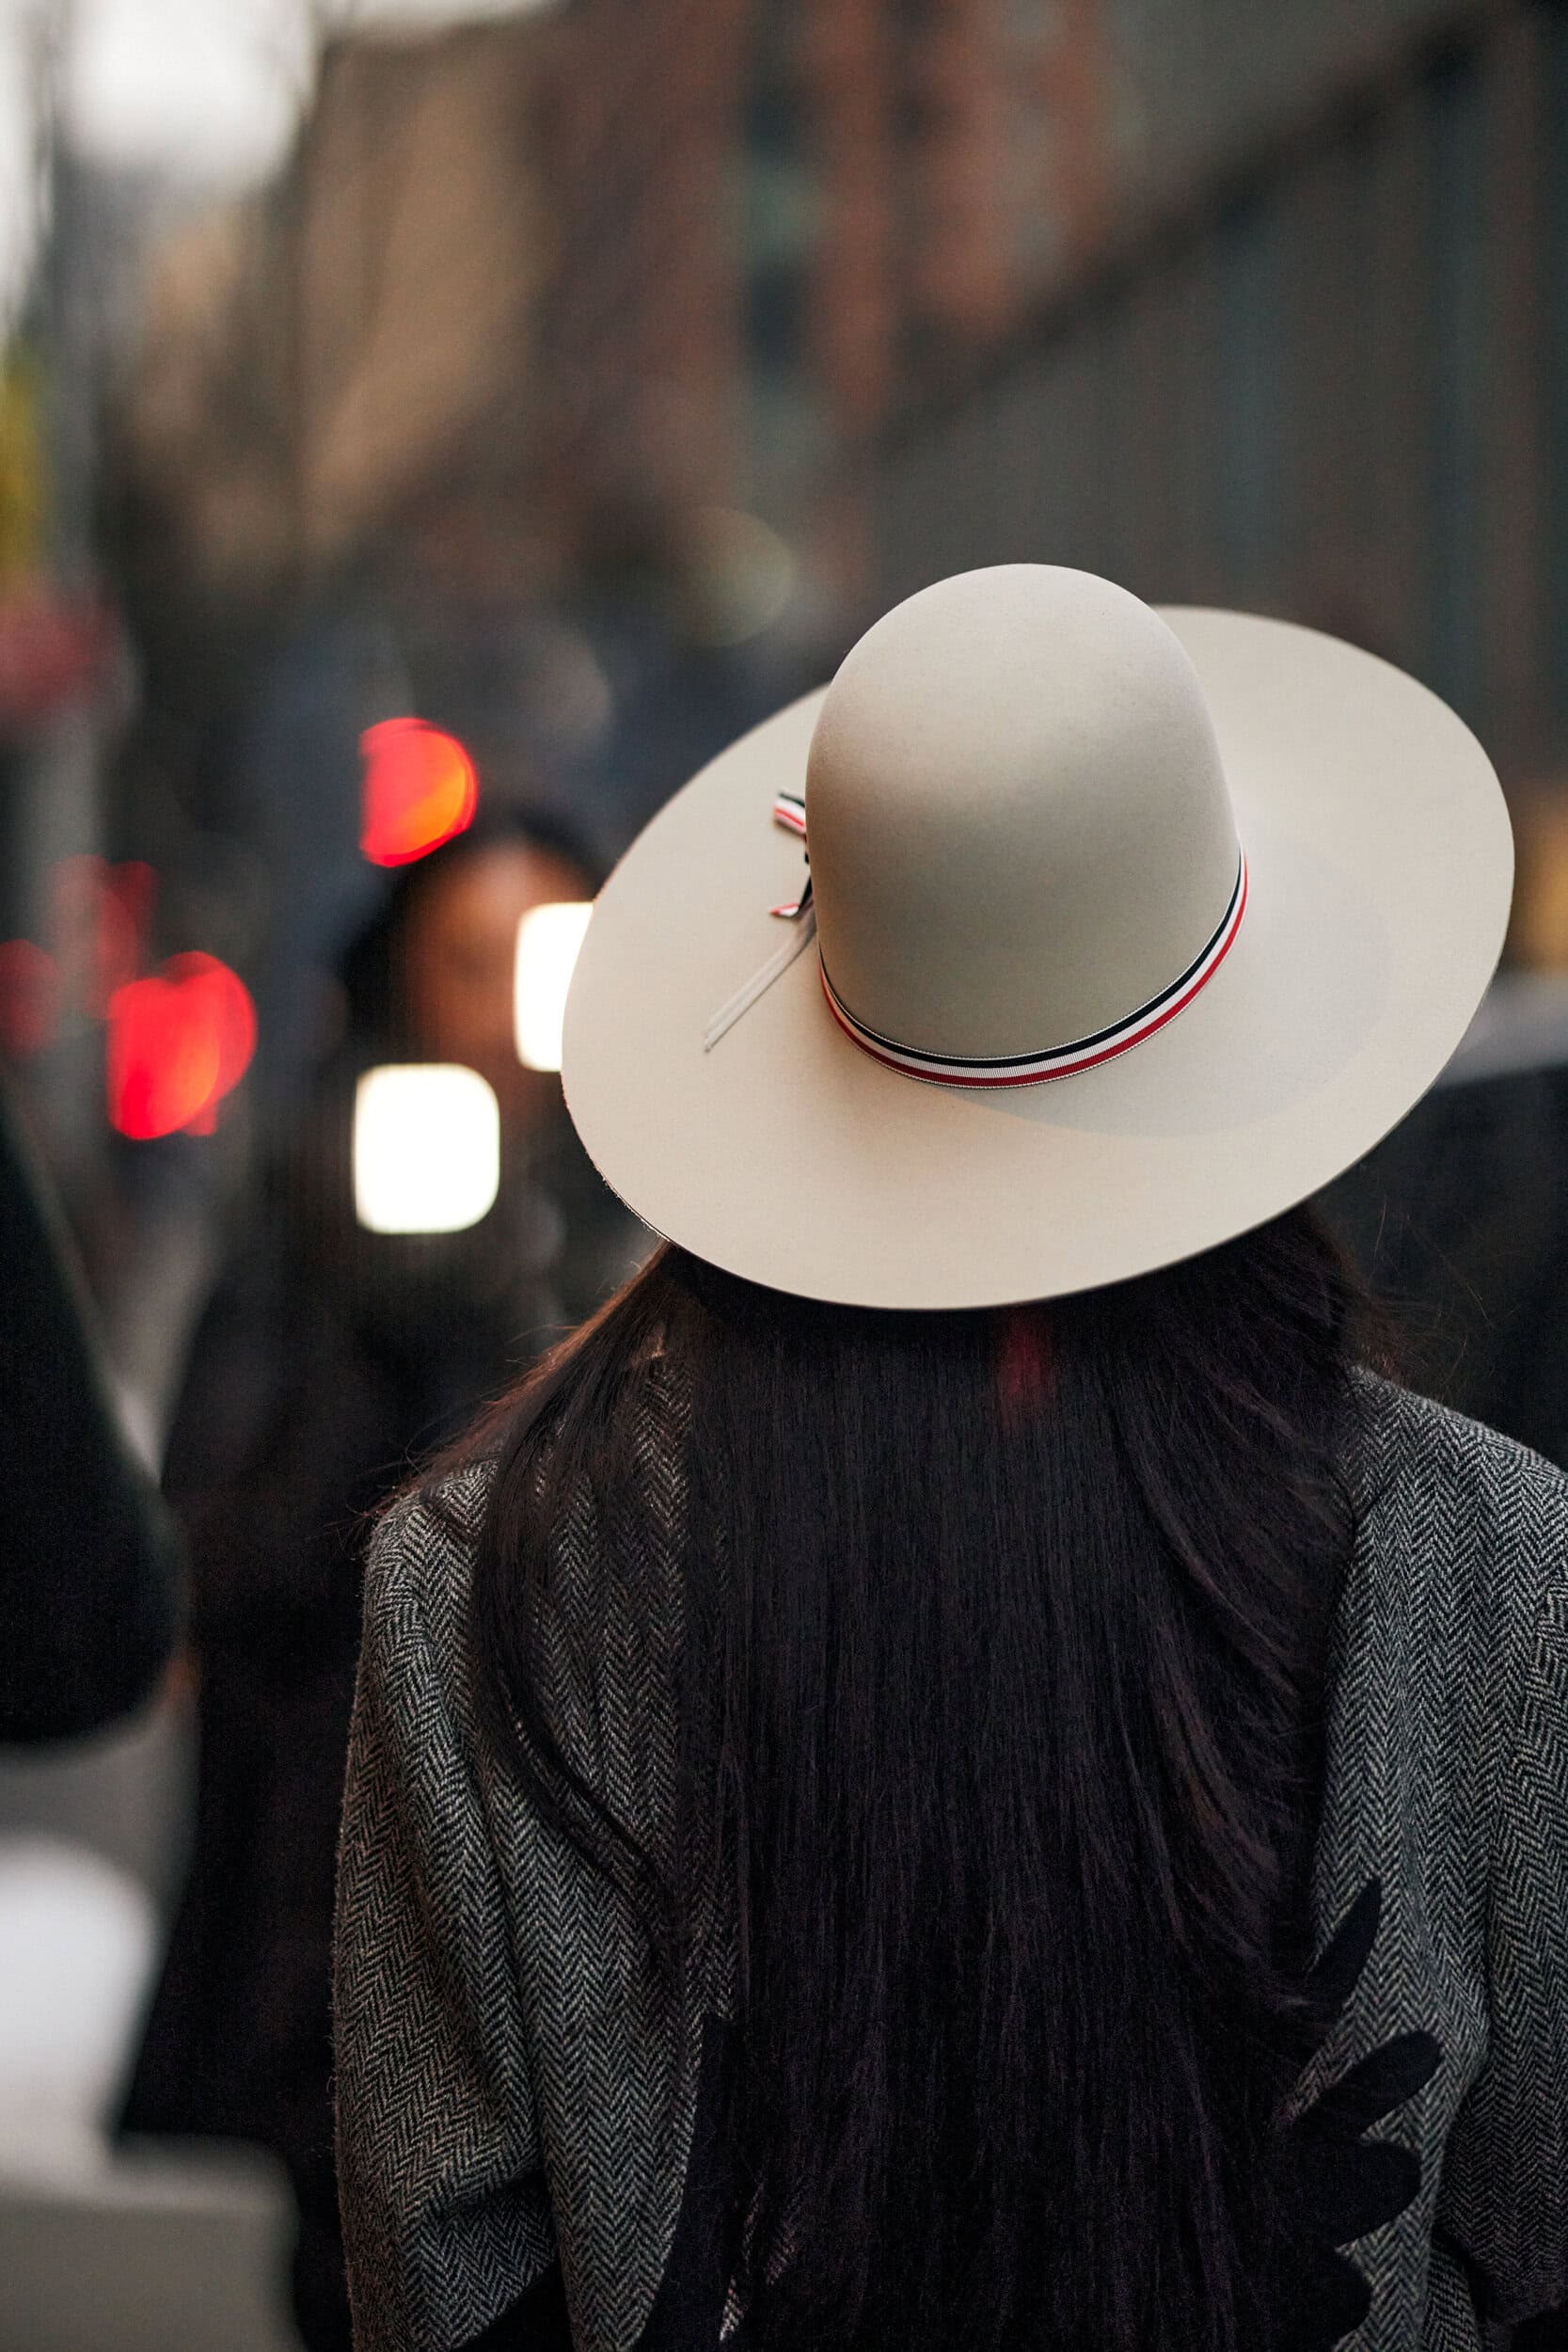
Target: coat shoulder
{"x": 421, "y": 1552}
{"x": 1415, "y": 1448}
{"x": 1444, "y": 1500}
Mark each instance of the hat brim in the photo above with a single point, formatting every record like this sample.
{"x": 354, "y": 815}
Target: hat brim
{"x": 1381, "y": 868}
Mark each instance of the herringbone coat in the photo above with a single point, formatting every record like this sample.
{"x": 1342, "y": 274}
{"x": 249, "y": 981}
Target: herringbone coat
{"x": 505, "y": 2067}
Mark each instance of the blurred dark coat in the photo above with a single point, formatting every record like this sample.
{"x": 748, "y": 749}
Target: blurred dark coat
{"x": 1460, "y": 1222}
{"x": 89, "y": 1559}
{"x": 327, "y": 1362}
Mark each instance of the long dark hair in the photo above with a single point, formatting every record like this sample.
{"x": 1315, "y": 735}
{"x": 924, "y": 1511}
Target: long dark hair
{"x": 1001, "y": 1658}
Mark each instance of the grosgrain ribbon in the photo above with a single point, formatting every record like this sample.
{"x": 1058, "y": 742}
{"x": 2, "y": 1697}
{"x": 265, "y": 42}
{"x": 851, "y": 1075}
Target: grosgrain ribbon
{"x": 958, "y": 1070}
{"x": 1058, "y": 1062}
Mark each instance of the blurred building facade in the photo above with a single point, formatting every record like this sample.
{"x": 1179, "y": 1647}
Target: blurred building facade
{"x": 1314, "y": 360}
{"x": 309, "y": 359}
{"x": 964, "y": 155}
{"x": 638, "y": 115}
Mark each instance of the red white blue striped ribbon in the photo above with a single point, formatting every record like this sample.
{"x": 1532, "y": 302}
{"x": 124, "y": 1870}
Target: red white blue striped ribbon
{"x": 958, "y": 1069}
{"x": 1057, "y": 1061}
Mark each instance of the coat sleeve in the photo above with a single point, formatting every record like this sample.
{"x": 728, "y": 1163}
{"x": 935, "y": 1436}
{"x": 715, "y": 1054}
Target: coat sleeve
{"x": 446, "y": 2217}
{"x": 1506, "y": 2184}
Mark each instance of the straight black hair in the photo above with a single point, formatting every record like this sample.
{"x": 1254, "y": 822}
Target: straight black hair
{"x": 1001, "y": 1643}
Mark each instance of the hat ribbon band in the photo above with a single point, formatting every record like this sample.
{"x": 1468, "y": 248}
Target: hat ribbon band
{"x": 1059, "y": 1061}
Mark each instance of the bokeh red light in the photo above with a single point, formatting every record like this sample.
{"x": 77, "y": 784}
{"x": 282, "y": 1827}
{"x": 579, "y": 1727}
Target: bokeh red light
{"x": 420, "y": 789}
{"x": 179, "y": 1042}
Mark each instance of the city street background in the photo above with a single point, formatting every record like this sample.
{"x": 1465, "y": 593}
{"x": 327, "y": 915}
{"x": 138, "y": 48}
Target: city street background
{"x": 432, "y": 431}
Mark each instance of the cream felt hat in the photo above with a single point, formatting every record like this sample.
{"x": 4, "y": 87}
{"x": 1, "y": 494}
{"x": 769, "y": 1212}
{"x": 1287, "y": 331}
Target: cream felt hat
{"x": 1125, "y": 930}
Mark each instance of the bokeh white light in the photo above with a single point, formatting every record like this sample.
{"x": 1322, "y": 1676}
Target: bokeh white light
{"x": 549, "y": 942}
{"x": 204, "y": 95}
{"x": 748, "y": 573}
{"x": 201, "y": 98}
{"x": 79, "y": 1947}
{"x": 24, "y": 51}
{"x": 209, "y": 92}
{"x": 426, "y": 1147}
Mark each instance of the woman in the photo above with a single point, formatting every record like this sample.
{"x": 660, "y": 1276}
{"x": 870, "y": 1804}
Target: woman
{"x": 952, "y": 1770}
{"x": 329, "y": 1360}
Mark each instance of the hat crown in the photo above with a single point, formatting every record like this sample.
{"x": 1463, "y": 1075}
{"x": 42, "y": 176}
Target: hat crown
{"x": 1019, "y": 827}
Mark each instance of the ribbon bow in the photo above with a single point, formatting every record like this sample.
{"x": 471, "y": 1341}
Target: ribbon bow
{"x": 789, "y": 810}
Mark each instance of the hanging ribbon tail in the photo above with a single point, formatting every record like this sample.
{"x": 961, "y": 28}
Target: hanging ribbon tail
{"x": 792, "y": 909}
{"x": 789, "y": 810}
{"x": 761, "y": 981}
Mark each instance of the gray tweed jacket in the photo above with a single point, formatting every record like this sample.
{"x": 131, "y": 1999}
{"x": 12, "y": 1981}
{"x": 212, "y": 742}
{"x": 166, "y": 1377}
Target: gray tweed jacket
{"x": 504, "y": 2069}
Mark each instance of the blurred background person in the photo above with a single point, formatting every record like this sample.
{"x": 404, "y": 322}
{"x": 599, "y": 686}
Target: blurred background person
{"x": 329, "y": 1358}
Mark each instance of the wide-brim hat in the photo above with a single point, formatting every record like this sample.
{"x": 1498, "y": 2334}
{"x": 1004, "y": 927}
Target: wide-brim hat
{"x": 1126, "y": 932}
